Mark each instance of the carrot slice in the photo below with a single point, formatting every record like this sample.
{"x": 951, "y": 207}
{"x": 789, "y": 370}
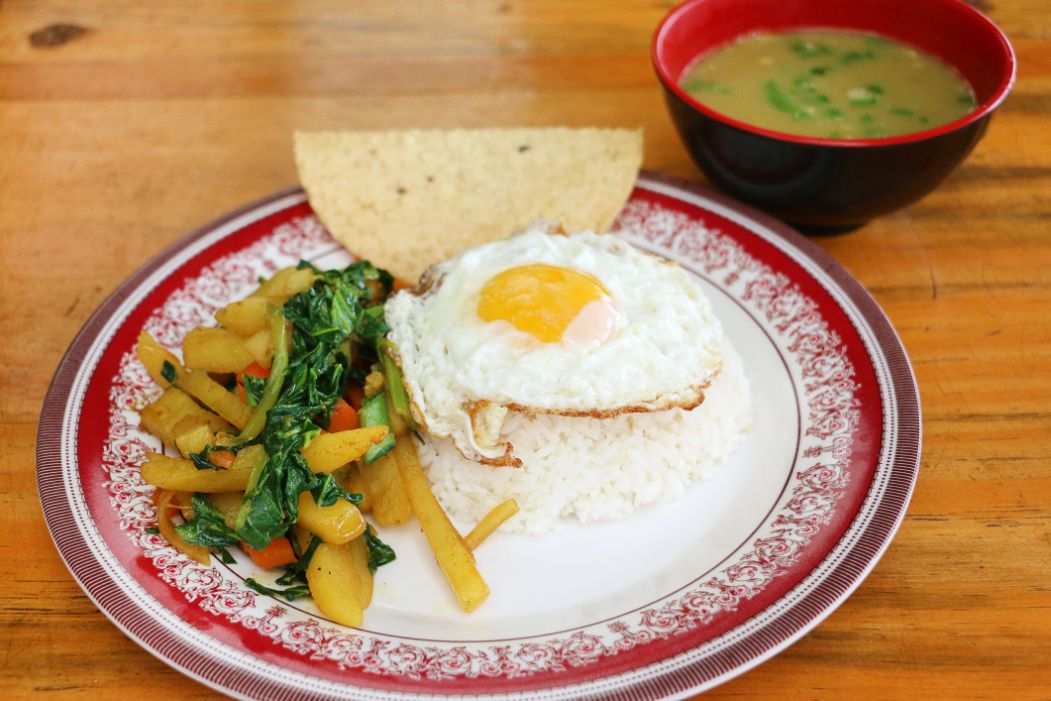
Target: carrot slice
{"x": 400, "y": 285}
{"x": 278, "y": 553}
{"x": 221, "y": 458}
{"x": 256, "y": 370}
{"x": 355, "y": 396}
{"x": 344, "y": 417}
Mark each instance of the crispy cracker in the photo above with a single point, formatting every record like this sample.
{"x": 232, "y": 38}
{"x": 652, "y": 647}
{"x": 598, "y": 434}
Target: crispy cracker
{"x": 409, "y": 199}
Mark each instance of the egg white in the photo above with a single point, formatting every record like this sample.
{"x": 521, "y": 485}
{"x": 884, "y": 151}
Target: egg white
{"x": 463, "y": 374}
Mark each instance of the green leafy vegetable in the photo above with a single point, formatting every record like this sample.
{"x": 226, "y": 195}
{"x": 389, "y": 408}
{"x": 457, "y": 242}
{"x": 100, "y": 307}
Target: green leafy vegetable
{"x": 294, "y": 580}
{"x": 379, "y": 552}
{"x": 207, "y": 526}
{"x": 297, "y": 571}
{"x": 289, "y": 594}
{"x": 779, "y": 101}
{"x": 168, "y": 371}
{"x": 850, "y": 57}
{"x": 328, "y": 492}
{"x": 809, "y": 49}
{"x": 254, "y": 387}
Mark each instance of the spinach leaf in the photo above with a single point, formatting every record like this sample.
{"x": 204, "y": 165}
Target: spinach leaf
{"x": 328, "y": 492}
{"x": 224, "y": 556}
{"x": 168, "y": 371}
{"x": 379, "y": 552}
{"x": 254, "y": 387}
{"x": 207, "y": 526}
{"x": 289, "y": 594}
{"x": 297, "y": 571}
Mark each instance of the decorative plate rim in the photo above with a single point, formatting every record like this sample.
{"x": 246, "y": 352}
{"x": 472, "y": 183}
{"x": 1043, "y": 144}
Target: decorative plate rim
{"x": 856, "y": 560}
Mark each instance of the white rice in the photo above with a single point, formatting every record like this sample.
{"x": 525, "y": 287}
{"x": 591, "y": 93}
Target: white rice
{"x": 595, "y": 469}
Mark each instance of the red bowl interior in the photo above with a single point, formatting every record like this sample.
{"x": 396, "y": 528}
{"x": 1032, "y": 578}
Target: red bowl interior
{"x": 949, "y": 29}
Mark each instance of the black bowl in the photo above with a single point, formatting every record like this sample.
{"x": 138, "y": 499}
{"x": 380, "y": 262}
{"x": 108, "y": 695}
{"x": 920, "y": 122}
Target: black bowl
{"x": 824, "y": 184}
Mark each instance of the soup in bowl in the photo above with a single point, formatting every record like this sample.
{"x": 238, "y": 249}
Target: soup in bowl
{"x": 829, "y": 113}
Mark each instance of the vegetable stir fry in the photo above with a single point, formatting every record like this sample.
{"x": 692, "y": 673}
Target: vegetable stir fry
{"x": 292, "y": 421}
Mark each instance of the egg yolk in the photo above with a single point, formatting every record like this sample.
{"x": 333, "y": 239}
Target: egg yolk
{"x": 546, "y": 301}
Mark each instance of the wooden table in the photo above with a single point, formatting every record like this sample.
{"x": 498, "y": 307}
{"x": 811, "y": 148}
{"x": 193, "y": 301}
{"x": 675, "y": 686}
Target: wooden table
{"x": 161, "y": 116}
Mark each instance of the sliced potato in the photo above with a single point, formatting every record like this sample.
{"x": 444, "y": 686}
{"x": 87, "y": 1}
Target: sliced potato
{"x": 390, "y": 502}
{"x": 153, "y": 356}
{"x": 246, "y": 317}
{"x": 286, "y": 283}
{"x": 453, "y": 555}
{"x": 215, "y": 396}
{"x": 162, "y": 416}
{"x": 333, "y": 581}
{"x": 337, "y": 524}
{"x": 215, "y": 350}
{"x": 180, "y": 474}
{"x": 192, "y": 435}
{"x": 330, "y": 451}
{"x": 351, "y": 480}
{"x": 259, "y": 347}
{"x": 359, "y": 552}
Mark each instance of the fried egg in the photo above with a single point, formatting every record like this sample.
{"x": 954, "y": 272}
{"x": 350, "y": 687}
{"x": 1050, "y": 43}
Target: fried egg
{"x": 579, "y": 325}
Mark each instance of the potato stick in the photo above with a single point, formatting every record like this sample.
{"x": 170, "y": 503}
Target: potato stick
{"x": 260, "y": 347}
{"x": 337, "y": 524}
{"x": 454, "y": 558}
{"x": 245, "y": 317}
{"x": 162, "y": 499}
{"x": 192, "y": 435}
{"x": 390, "y": 501}
{"x": 179, "y": 474}
{"x": 165, "y": 414}
{"x": 351, "y": 480}
{"x": 490, "y": 522}
{"x": 285, "y": 283}
{"x": 215, "y": 397}
{"x": 359, "y": 552}
{"x": 215, "y": 350}
{"x": 333, "y": 581}
{"x": 331, "y": 451}
{"x": 153, "y": 355}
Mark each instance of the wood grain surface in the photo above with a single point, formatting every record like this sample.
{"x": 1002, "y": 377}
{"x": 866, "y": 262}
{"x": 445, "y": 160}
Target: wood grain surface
{"x": 124, "y": 124}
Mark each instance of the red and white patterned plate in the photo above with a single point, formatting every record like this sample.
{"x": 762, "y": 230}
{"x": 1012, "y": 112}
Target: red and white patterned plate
{"x": 676, "y": 599}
